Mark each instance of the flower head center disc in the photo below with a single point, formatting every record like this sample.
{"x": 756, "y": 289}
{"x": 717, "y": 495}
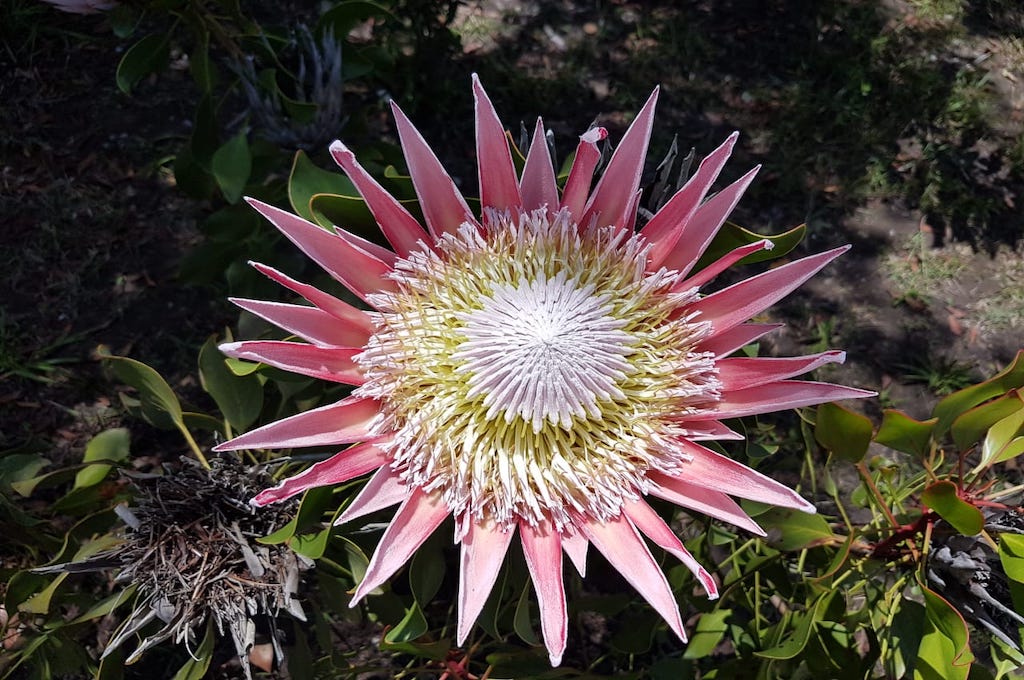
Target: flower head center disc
{"x": 530, "y": 370}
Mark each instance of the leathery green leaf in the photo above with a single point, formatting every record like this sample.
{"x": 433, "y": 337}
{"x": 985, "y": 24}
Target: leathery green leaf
{"x": 1011, "y": 555}
{"x": 160, "y": 406}
{"x": 944, "y": 653}
{"x": 521, "y": 619}
{"x": 308, "y": 180}
{"x": 790, "y": 529}
{"x": 240, "y": 398}
{"x": 710, "y": 630}
{"x": 110, "y": 445}
{"x": 412, "y": 626}
{"x": 732, "y": 236}
{"x": 196, "y": 667}
{"x": 801, "y": 632}
{"x": 901, "y": 432}
{"x": 942, "y": 497}
{"x": 1005, "y": 440}
{"x": 845, "y": 433}
{"x": 426, "y": 572}
{"x": 231, "y": 166}
{"x": 950, "y": 408}
{"x": 311, "y": 510}
{"x": 970, "y": 427}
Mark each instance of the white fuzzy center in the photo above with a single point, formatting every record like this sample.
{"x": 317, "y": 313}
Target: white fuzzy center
{"x": 546, "y": 349}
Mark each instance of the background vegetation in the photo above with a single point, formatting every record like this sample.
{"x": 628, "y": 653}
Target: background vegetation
{"x": 128, "y": 139}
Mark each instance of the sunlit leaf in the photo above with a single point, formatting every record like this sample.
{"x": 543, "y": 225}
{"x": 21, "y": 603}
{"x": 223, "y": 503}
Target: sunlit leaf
{"x": 1004, "y": 440}
{"x": 314, "y": 504}
{"x": 950, "y": 408}
{"x": 943, "y": 498}
{"x": 969, "y": 428}
{"x": 240, "y": 398}
{"x": 944, "y": 653}
{"x": 40, "y": 602}
{"x": 901, "y": 432}
{"x": 801, "y": 632}
{"x": 110, "y": 445}
{"x": 107, "y": 605}
{"x": 412, "y": 626}
{"x": 708, "y": 633}
{"x": 732, "y": 236}
{"x": 845, "y": 433}
{"x": 307, "y": 180}
{"x": 160, "y": 406}
{"x": 790, "y": 529}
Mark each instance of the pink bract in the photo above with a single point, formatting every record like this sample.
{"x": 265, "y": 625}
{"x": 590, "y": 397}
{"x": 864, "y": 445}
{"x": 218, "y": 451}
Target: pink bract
{"x": 539, "y": 369}
{"x": 82, "y": 6}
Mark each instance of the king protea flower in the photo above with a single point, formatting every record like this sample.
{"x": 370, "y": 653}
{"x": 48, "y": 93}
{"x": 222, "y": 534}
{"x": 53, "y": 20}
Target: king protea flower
{"x": 538, "y": 370}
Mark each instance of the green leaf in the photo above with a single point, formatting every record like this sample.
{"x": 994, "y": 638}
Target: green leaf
{"x": 148, "y": 55}
{"x": 26, "y": 487}
{"x": 201, "y": 66}
{"x": 801, "y": 632}
{"x": 357, "y": 561}
{"x": 312, "y": 545}
{"x": 428, "y": 650}
{"x": 943, "y": 498}
{"x": 950, "y": 408}
{"x": 159, "y": 404}
{"x": 732, "y": 236}
{"x": 241, "y": 367}
{"x": 239, "y": 398}
{"x": 307, "y": 180}
{"x": 1011, "y": 554}
{"x": 1004, "y": 440}
{"x": 944, "y": 653}
{"x": 111, "y": 445}
{"x": 106, "y": 605}
{"x": 111, "y": 666}
{"x": 969, "y": 428}
{"x": 348, "y": 212}
{"x": 311, "y": 511}
{"x": 18, "y": 467}
{"x": 794, "y": 530}
{"x": 40, "y": 602}
{"x": 710, "y": 631}
{"x": 412, "y": 626}
{"x": 521, "y": 620}
{"x": 348, "y": 14}
{"x": 901, "y": 432}
{"x": 845, "y": 433}
{"x": 426, "y": 572}
{"x": 231, "y": 166}
{"x": 196, "y": 667}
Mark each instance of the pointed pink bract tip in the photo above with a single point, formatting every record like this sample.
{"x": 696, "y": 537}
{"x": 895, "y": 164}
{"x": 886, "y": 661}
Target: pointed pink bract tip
{"x": 261, "y": 499}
